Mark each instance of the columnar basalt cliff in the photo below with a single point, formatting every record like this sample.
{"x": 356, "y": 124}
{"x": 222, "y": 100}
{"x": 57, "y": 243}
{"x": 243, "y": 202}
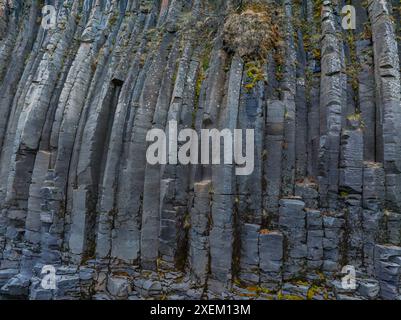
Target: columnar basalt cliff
{"x": 77, "y": 100}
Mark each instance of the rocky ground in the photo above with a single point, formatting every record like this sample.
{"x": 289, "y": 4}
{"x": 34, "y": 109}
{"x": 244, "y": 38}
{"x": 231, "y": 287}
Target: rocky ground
{"x": 76, "y": 191}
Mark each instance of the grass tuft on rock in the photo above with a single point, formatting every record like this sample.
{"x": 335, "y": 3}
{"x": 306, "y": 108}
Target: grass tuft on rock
{"x": 254, "y": 31}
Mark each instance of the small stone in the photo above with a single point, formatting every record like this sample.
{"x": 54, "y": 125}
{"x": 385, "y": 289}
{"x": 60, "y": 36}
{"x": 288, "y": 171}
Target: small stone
{"x": 368, "y": 288}
{"x": 118, "y": 287}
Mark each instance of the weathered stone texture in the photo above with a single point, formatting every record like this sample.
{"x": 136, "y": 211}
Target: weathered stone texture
{"x": 78, "y": 99}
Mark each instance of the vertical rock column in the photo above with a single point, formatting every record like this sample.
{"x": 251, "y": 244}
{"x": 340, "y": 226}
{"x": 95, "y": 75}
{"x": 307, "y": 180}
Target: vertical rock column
{"x": 331, "y": 103}
{"x": 271, "y": 249}
{"x": 273, "y": 163}
{"x": 155, "y": 207}
{"x": 173, "y": 232}
{"x": 51, "y": 221}
{"x": 29, "y": 119}
{"x": 351, "y": 161}
{"x": 14, "y": 54}
{"x": 172, "y": 227}
{"x": 292, "y": 223}
{"x": 387, "y": 78}
{"x": 301, "y": 115}
{"x": 315, "y": 234}
{"x": 199, "y": 233}
{"x": 249, "y": 261}
{"x": 313, "y": 87}
{"x": 126, "y": 234}
{"x": 333, "y": 241}
{"x": 373, "y": 200}
{"x": 3, "y": 18}
{"x": 125, "y": 111}
{"x": 69, "y": 115}
{"x": 366, "y": 97}
{"x": 222, "y": 231}
{"x": 163, "y": 11}
{"x": 250, "y": 187}
{"x": 93, "y": 137}
{"x": 33, "y": 223}
{"x": 350, "y": 185}
{"x": 289, "y": 92}
{"x": 80, "y": 239}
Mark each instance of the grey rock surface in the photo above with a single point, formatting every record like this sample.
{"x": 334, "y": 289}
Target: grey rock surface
{"x": 80, "y": 202}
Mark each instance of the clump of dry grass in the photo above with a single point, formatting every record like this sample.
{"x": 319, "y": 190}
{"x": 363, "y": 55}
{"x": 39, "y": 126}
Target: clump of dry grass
{"x": 254, "y": 31}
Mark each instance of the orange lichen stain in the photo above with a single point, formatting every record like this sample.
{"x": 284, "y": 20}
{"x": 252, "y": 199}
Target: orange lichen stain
{"x": 253, "y": 289}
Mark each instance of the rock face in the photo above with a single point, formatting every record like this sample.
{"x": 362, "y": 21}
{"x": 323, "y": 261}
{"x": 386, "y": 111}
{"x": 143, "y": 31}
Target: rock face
{"x": 82, "y": 207}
